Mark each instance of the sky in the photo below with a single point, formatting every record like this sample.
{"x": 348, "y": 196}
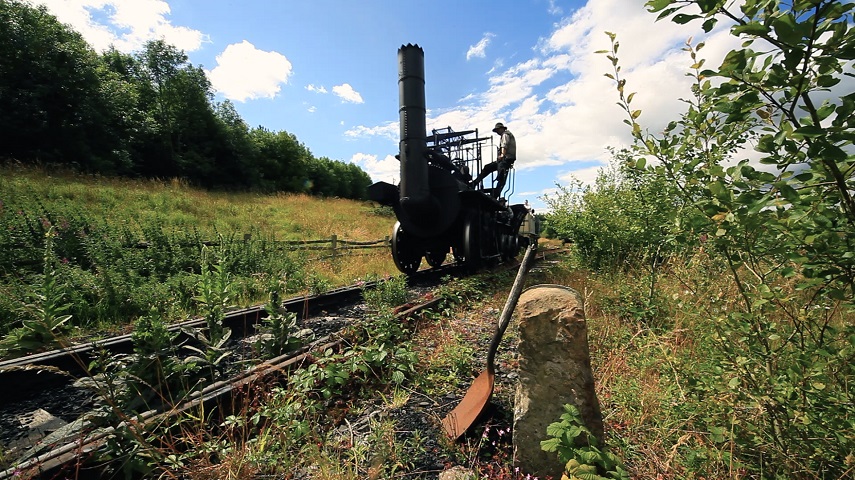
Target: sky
{"x": 326, "y": 70}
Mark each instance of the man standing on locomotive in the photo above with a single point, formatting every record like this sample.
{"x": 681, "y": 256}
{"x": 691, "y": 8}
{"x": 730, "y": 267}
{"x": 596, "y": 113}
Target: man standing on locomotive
{"x": 504, "y": 162}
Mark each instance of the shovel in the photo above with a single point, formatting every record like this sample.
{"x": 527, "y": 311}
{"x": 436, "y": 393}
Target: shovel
{"x": 478, "y": 396}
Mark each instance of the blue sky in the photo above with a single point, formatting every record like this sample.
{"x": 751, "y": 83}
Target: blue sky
{"x": 326, "y": 70}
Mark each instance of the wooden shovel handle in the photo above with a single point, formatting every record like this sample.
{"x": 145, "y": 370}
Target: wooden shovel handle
{"x": 508, "y": 311}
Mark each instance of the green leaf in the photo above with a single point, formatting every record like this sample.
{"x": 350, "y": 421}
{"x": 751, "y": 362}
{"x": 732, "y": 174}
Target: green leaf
{"x": 827, "y": 81}
{"x": 804, "y": 177}
{"x": 550, "y": 445}
{"x": 785, "y": 29}
{"x": 683, "y": 18}
{"x": 751, "y": 28}
{"x": 825, "y": 110}
{"x": 707, "y": 6}
{"x": 654, "y": 6}
{"x": 666, "y": 13}
{"x": 809, "y": 131}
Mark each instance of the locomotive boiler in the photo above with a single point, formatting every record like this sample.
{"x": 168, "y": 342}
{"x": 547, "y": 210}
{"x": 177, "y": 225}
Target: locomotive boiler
{"x": 437, "y": 210}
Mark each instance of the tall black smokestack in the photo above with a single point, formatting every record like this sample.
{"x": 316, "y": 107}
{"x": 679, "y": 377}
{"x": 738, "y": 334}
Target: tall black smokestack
{"x": 414, "y": 188}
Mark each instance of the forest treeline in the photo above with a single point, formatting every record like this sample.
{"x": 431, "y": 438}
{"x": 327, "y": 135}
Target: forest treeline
{"x": 147, "y": 114}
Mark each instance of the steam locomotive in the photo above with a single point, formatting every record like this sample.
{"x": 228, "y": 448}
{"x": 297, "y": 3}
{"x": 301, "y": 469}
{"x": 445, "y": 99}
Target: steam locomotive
{"x": 437, "y": 210}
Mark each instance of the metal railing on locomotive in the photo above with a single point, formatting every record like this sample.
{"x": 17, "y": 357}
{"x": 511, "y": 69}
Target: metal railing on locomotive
{"x": 467, "y": 153}
{"x": 510, "y": 184}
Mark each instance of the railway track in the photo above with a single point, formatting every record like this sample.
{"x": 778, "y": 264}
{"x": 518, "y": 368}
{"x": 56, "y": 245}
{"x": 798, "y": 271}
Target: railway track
{"x": 48, "y": 394}
{"x": 54, "y": 441}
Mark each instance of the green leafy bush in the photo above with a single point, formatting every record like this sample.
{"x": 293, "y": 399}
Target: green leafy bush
{"x": 577, "y": 449}
{"x": 278, "y": 333}
{"x": 783, "y": 230}
{"x": 624, "y": 219}
{"x": 45, "y": 323}
{"x": 638, "y": 301}
{"x": 388, "y": 293}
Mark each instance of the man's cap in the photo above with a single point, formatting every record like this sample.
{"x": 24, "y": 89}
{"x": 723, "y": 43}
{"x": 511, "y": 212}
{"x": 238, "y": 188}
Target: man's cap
{"x": 499, "y": 126}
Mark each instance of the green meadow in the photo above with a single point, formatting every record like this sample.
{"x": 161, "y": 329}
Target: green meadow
{"x": 114, "y": 249}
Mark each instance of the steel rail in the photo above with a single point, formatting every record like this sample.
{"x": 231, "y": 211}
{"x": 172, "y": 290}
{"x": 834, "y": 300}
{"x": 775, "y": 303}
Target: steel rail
{"x": 72, "y": 449}
{"x": 221, "y": 395}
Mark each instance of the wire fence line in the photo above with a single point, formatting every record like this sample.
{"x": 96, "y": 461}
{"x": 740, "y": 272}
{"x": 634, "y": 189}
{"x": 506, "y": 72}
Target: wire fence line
{"x": 334, "y": 245}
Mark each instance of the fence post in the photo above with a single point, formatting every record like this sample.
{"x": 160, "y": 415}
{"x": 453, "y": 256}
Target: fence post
{"x": 333, "y": 241}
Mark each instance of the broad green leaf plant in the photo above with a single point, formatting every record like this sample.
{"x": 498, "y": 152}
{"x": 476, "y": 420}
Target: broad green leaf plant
{"x": 578, "y": 451}
{"x": 45, "y": 323}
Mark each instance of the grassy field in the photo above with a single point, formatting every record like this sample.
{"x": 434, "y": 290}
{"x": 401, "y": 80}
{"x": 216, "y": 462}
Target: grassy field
{"x": 84, "y": 233}
{"x": 683, "y": 394}
{"x": 174, "y": 204}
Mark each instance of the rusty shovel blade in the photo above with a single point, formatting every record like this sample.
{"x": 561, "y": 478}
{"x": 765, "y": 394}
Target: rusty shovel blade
{"x": 469, "y": 409}
{"x": 466, "y": 413}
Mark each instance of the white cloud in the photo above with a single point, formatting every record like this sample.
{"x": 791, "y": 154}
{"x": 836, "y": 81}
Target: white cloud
{"x": 244, "y": 72}
{"x": 312, "y": 109}
{"x": 129, "y": 23}
{"x": 480, "y": 49}
{"x": 559, "y": 104}
{"x": 312, "y": 88}
{"x": 547, "y": 191}
{"x": 386, "y": 170}
{"x": 585, "y": 175}
{"x": 347, "y": 94}
{"x": 388, "y": 130}
{"x": 497, "y": 64}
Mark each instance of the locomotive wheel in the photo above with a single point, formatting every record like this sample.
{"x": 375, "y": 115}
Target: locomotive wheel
{"x": 510, "y": 246}
{"x": 458, "y": 254}
{"x": 472, "y": 241}
{"x": 435, "y": 259}
{"x": 491, "y": 248}
{"x": 407, "y": 258}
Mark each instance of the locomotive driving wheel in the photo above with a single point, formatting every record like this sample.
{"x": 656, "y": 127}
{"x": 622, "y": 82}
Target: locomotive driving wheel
{"x": 435, "y": 258}
{"x": 472, "y": 241}
{"x": 458, "y": 254}
{"x": 510, "y": 246}
{"x": 404, "y": 252}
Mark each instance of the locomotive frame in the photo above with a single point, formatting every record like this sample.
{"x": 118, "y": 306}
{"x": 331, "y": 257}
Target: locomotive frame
{"x": 437, "y": 210}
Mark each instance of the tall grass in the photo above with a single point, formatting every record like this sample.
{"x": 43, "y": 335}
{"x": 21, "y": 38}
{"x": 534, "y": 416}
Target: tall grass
{"x": 173, "y": 203}
{"x": 122, "y": 247}
{"x": 672, "y": 383}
